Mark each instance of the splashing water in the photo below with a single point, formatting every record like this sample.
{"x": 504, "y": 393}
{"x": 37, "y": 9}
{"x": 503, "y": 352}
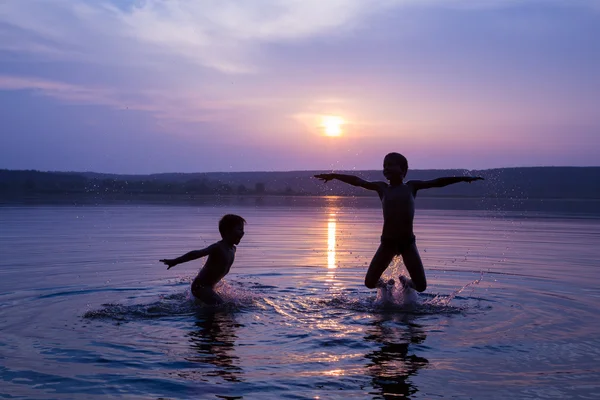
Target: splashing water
{"x": 178, "y": 304}
{"x": 398, "y": 296}
{"x": 441, "y": 300}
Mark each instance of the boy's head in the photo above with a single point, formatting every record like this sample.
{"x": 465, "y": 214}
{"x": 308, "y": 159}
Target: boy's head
{"x": 231, "y": 227}
{"x": 395, "y": 165}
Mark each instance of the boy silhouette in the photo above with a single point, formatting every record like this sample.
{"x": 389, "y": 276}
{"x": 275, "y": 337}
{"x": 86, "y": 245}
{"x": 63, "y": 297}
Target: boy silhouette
{"x": 398, "y": 203}
{"x": 220, "y": 259}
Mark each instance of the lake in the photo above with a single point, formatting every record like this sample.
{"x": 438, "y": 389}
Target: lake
{"x": 87, "y": 311}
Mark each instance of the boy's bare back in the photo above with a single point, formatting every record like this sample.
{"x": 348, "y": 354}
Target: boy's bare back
{"x": 219, "y": 262}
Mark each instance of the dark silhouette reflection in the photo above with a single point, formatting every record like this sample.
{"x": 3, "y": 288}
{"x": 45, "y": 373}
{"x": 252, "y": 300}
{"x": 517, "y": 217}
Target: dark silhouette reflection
{"x": 392, "y": 365}
{"x": 214, "y": 340}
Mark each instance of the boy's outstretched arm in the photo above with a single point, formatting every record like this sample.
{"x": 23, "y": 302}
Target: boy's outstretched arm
{"x": 192, "y": 255}
{"x": 351, "y": 180}
{"x": 441, "y": 182}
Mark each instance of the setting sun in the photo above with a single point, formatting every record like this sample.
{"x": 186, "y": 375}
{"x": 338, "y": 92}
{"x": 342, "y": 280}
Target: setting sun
{"x": 332, "y": 125}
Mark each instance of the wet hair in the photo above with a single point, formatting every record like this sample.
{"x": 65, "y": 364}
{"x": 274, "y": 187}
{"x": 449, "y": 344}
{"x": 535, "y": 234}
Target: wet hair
{"x": 400, "y": 159}
{"x": 230, "y": 221}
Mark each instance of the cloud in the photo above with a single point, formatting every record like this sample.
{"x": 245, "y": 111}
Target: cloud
{"x": 150, "y": 51}
{"x": 177, "y": 107}
{"x": 174, "y": 58}
{"x": 216, "y": 34}
{"x": 222, "y": 35}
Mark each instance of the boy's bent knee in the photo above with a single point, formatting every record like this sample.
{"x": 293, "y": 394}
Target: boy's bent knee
{"x": 420, "y": 286}
{"x": 371, "y": 284}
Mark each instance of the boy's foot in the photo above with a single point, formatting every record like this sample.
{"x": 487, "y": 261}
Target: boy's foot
{"x": 381, "y": 283}
{"x": 409, "y": 294}
{"x": 406, "y": 282}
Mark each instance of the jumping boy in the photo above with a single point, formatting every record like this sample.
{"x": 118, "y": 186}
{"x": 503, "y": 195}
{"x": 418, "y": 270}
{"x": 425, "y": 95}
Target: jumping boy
{"x": 220, "y": 258}
{"x": 398, "y": 203}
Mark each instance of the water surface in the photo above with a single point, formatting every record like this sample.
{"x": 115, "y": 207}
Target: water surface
{"x": 86, "y": 310}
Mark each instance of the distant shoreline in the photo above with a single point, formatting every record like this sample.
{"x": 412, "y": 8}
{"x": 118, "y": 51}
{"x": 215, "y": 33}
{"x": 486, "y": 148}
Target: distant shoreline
{"x": 527, "y": 184}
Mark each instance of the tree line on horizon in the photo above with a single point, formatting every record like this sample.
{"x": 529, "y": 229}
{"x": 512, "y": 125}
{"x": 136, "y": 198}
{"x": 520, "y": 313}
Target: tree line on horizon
{"x": 526, "y": 182}
{"x": 31, "y": 182}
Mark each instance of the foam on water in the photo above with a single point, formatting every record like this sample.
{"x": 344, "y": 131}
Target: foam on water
{"x": 392, "y": 294}
{"x": 246, "y": 296}
{"x": 177, "y": 304}
{"x": 396, "y": 296}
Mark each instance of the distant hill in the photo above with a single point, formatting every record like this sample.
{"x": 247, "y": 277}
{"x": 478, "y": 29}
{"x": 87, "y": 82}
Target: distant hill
{"x": 513, "y": 183}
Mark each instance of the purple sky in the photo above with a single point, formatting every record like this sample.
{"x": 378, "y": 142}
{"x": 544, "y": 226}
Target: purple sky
{"x": 192, "y": 85}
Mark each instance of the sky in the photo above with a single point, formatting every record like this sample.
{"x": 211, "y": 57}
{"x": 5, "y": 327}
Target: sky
{"x": 148, "y": 86}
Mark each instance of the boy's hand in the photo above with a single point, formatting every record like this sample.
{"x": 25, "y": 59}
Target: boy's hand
{"x": 473, "y": 178}
{"x": 170, "y": 263}
{"x": 324, "y": 177}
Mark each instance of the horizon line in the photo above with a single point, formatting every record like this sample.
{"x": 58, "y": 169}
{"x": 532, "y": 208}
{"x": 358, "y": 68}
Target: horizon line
{"x": 291, "y": 171}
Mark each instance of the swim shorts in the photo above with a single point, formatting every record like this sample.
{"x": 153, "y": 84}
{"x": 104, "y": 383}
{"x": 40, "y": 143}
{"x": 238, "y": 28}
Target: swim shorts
{"x": 205, "y": 294}
{"x": 399, "y": 245}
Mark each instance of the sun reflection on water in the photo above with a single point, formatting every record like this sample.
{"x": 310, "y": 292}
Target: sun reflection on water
{"x": 331, "y": 225}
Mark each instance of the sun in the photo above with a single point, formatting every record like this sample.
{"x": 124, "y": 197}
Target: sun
{"x": 332, "y": 125}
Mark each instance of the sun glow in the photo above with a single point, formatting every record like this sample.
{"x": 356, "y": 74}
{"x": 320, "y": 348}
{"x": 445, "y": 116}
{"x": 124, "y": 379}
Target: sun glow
{"x": 332, "y": 125}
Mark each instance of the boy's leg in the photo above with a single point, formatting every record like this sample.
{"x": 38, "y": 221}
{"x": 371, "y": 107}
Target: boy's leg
{"x": 207, "y": 295}
{"x": 414, "y": 266}
{"x": 381, "y": 260}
